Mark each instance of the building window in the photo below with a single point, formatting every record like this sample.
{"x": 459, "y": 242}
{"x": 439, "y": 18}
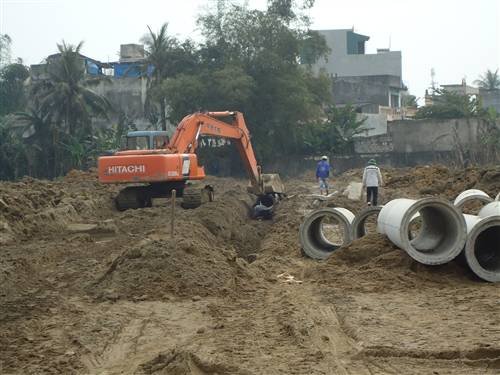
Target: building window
{"x": 395, "y": 101}
{"x": 361, "y": 47}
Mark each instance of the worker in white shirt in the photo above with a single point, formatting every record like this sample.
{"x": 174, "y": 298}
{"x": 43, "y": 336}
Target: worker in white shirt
{"x": 372, "y": 179}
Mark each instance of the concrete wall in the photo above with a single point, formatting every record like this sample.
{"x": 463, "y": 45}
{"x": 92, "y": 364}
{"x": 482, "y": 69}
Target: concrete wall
{"x": 432, "y": 135}
{"x": 388, "y": 63}
{"x": 365, "y": 90}
{"x": 131, "y": 52}
{"x": 128, "y": 95}
{"x": 342, "y": 64}
{"x": 490, "y": 98}
{"x": 423, "y": 136}
{"x": 375, "y": 144}
{"x": 375, "y": 124}
{"x": 417, "y": 136}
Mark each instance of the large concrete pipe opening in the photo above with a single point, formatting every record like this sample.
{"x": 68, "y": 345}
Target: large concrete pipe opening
{"x": 467, "y": 200}
{"x": 365, "y": 221}
{"x": 325, "y": 230}
{"x": 442, "y": 231}
{"x": 482, "y": 251}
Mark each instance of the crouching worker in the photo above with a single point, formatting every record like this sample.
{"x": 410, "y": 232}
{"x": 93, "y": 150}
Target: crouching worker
{"x": 322, "y": 174}
{"x": 372, "y": 179}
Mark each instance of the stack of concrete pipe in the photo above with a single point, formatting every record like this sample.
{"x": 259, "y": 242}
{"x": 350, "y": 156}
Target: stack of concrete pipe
{"x": 445, "y": 232}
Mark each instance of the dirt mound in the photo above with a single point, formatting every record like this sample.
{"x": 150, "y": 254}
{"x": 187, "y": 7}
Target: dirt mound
{"x": 441, "y": 181}
{"x": 201, "y": 260}
{"x": 31, "y": 207}
{"x": 181, "y": 362}
{"x": 156, "y": 268}
{"x": 372, "y": 263}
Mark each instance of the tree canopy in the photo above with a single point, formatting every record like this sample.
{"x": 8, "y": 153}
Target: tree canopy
{"x": 61, "y": 109}
{"x": 12, "y": 92}
{"x": 251, "y": 61}
{"x": 447, "y": 104}
{"x": 489, "y": 80}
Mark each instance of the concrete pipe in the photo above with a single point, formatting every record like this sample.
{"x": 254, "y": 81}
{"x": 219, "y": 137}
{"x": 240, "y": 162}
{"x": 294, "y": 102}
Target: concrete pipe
{"x": 387, "y": 206}
{"x": 315, "y": 243}
{"x": 471, "y": 195}
{"x": 442, "y": 234}
{"x": 491, "y": 209}
{"x": 470, "y": 221}
{"x": 482, "y": 251}
{"x": 358, "y": 225}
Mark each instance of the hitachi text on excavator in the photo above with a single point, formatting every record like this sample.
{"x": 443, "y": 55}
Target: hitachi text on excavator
{"x": 156, "y": 165}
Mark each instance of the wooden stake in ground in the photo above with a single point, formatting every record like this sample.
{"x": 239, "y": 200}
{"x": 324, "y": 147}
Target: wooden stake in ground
{"x": 174, "y": 193}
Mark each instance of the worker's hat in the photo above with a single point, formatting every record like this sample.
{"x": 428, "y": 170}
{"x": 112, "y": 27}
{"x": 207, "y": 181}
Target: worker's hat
{"x": 372, "y": 162}
{"x": 324, "y": 157}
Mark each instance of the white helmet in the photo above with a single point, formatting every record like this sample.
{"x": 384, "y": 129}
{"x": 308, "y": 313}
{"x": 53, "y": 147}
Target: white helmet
{"x": 324, "y": 157}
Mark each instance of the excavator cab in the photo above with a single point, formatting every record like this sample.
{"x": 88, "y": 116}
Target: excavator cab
{"x": 145, "y": 140}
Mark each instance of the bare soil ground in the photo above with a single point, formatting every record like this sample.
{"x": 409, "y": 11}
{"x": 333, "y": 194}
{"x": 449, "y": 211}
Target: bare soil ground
{"x": 85, "y": 289}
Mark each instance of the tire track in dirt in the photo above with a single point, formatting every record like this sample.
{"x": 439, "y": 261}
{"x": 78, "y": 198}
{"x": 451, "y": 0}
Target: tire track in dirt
{"x": 140, "y": 331}
{"x": 285, "y": 329}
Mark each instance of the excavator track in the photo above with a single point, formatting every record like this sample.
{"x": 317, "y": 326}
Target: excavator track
{"x": 133, "y": 197}
{"x": 193, "y": 196}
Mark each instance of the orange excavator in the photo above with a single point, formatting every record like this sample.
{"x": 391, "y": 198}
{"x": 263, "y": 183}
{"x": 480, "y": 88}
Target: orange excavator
{"x": 157, "y": 165}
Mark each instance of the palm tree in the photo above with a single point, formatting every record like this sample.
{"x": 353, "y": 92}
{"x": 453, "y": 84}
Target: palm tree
{"x": 67, "y": 101}
{"x": 158, "y": 46}
{"x": 15, "y": 155}
{"x": 66, "y": 95}
{"x": 489, "y": 80}
{"x": 42, "y": 131}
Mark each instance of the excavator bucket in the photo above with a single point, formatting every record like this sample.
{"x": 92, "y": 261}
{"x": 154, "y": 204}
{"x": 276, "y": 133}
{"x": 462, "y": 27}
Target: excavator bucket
{"x": 269, "y": 183}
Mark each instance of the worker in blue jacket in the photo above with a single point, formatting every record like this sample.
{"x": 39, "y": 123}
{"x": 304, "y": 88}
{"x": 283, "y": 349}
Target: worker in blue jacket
{"x": 322, "y": 174}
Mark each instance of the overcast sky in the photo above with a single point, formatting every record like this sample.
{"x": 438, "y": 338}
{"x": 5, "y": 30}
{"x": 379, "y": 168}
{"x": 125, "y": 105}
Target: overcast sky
{"x": 457, "y": 38}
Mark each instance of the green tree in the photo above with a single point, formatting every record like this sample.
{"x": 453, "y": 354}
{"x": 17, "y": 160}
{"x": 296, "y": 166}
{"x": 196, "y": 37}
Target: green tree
{"x": 42, "y": 131}
{"x": 337, "y": 133}
{"x": 13, "y": 153}
{"x": 260, "y": 52}
{"x": 66, "y": 98}
{"x": 66, "y": 93}
{"x": 489, "y": 80}
{"x": 409, "y": 101}
{"x": 12, "y": 91}
{"x": 447, "y": 104}
{"x": 168, "y": 57}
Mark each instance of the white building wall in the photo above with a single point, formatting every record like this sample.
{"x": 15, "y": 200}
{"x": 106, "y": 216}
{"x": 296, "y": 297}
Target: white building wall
{"x": 343, "y": 65}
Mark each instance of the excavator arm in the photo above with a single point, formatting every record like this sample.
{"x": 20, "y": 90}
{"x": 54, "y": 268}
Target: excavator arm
{"x": 185, "y": 140}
